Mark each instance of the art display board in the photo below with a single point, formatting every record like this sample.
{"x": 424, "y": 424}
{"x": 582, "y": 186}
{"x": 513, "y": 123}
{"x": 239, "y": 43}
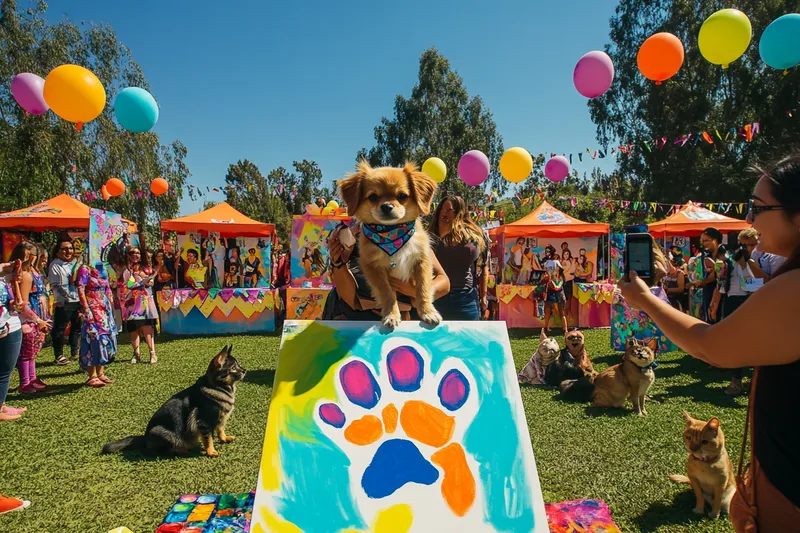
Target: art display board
{"x": 217, "y": 311}
{"x": 523, "y": 256}
{"x": 106, "y": 230}
{"x": 216, "y": 262}
{"x": 309, "y": 249}
{"x": 627, "y": 322}
{"x": 421, "y": 429}
{"x": 305, "y": 304}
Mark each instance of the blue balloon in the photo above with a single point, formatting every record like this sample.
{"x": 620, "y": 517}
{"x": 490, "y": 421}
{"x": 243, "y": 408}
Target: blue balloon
{"x": 136, "y": 109}
{"x": 780, "y": 43}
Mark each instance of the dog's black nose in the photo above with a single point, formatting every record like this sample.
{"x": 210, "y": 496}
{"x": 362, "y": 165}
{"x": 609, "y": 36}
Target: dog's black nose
{"x": 387, "y": 208}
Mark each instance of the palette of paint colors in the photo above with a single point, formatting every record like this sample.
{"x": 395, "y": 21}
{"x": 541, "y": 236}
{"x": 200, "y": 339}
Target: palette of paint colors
{"x": 210, "y": 513}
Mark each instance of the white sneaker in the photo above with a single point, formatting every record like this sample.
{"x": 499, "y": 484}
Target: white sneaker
{"x": 134, "y": 359}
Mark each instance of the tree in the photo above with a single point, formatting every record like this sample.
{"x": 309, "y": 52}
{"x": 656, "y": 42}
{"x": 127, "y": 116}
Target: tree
{"x": 42, "y": 156}
{"x": 701, "y": 97}
{"x": 439, "y": 119}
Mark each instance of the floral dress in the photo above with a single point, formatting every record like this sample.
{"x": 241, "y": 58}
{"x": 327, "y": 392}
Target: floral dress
{"x": 137, "y": 299}
{"x": 37, "y": 296}
{"x": 99, "y": 334}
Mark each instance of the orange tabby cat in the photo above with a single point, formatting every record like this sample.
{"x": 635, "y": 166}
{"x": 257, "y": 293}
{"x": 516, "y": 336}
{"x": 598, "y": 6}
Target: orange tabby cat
{"x": 708, "y": 465}
{"x": 629, "y": 379}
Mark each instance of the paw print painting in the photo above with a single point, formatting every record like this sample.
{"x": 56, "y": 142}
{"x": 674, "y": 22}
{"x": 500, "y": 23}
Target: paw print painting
{"x": 403, "y": 430}
{"x": 415, "y": 430}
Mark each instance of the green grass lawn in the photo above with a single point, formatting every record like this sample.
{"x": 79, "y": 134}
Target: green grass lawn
{"x": 52, "y": 456}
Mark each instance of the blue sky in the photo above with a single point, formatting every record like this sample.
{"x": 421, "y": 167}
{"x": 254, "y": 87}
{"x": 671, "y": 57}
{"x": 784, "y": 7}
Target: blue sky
{"x": 275, "y": 82}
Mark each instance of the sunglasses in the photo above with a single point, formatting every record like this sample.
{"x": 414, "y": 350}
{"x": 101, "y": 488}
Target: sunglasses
{"x": 134, "y": 253}
{"x": 753, "y": 210}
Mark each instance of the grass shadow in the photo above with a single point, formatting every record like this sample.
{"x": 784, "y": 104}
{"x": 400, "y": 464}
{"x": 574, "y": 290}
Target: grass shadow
{"x": 607, "y": 412}
{"x": 677, "y": 513}
{"x": 261, "y": 376}
{"x": 49, "y": 392}
{"x": 701, "y": 392}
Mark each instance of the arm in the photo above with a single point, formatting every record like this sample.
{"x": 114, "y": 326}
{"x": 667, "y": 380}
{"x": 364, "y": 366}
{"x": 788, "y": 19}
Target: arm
{"x": 731, "y": 343}
{"x": 756, "y": 269}
{"x": 188, "y": 279}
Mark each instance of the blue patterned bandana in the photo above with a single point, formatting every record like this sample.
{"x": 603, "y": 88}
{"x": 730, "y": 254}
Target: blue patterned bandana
{"x": 389, "y": 238}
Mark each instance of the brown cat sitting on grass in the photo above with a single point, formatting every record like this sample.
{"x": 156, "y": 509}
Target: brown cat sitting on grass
{"x": 709, "y": 468}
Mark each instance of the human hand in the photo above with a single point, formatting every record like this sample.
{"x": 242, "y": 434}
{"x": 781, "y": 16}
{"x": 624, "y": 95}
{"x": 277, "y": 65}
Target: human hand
{"x": 484, "y": 304}
{"x": 712, "y": 311}
{"x": 634, "y": 290}
{"x": 44, "y": 327}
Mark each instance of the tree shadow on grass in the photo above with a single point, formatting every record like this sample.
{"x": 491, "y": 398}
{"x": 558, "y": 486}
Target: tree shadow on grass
{"x": 677, "y": 513}
{"x": 608, "y": 412}
{"x": 702, "y": 393}
{"x": 262, "y": 376}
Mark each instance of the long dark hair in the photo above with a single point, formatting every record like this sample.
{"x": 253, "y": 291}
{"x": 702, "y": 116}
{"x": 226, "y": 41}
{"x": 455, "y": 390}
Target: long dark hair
{"x": 784, "y": 180}
{"x": 463, "y": 228}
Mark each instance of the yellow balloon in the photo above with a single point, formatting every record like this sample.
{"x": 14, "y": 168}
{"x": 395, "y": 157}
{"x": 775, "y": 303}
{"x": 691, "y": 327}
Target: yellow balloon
{"x": 435, "y": 169}
{"x": 333, "y": 205}
{"x": 725, "y": 36}
{"x": 516, "y": 164}
{"x": 74, "y": 93}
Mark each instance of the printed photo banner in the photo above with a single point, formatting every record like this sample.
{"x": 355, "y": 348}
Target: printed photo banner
{"x": 525, "y": 256}
{"x": 421, "y": 429}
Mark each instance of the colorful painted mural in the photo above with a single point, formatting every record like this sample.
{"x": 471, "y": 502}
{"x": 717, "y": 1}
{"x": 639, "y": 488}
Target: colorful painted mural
{"x": 418, "y": 430}
{"x": 616, "y": 250}
{"x": 309, "y": 252}
{"x": 218, "y": 311}
{"x": 305, "y": 304}
{"x": 106, "y": 230}
{"x": 627, "y": 322}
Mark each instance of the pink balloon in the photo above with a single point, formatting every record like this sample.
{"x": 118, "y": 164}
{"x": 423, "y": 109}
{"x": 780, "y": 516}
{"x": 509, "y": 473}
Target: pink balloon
{"x": 557, "y": 169}
{"x": 28, "y": 91}
{"x": 473, "y": 168}
{"x": 593, "y": 74}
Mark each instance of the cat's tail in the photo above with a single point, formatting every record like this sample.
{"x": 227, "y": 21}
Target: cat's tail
{"x": 577, "y": 390}
{"x": 128, "y": 443}
{"x": 679, "y": 479}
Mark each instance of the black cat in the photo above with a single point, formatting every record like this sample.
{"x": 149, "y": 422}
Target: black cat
{"x": 193, "y": 415}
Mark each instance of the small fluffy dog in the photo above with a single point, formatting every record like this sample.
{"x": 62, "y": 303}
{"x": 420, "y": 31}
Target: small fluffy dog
{"x": 193, "y": 415}
{"x": 708, "y": 465}
{"x": 388, "y": 202}
{"x": 611, "y": 387}
{"x": 576, "y": 348}
{"x": 546, "y": 354}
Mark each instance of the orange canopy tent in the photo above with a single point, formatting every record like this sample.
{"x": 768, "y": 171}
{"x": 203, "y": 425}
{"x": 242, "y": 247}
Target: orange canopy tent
{"x": 61, "y": 212}
{"x": 547, "y": 221}
{"x": 691, "y": 220}
{"x": 222, "y": 218}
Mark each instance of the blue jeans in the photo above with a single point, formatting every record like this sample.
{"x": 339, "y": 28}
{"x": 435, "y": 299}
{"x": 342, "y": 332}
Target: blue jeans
{"x": 459, "y": 304}
{"x": 9, "y": 353}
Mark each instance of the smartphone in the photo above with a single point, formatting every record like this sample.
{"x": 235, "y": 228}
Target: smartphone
{"x": 639, "y": 255}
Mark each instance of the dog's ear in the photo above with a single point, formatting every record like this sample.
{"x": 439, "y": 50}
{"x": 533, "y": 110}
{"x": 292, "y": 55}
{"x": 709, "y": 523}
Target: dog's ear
{"x": 422, "y": 187}
{"x": 350, "y": 187}
{"x": 653, "y": 344}
{"x": 219, "y": 359}
{"x": 542, "y": 336}
{"x": 632, "y": 342}
{"x": 230, "y": 349}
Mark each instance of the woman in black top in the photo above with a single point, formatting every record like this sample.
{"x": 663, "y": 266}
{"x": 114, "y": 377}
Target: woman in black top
{"x": 772, "y": 312}
{"x": 462, "y": 248}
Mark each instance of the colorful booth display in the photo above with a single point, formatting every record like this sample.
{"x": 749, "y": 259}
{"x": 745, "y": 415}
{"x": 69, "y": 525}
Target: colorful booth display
{"x": 310, "y": 265}
{"x": 521, "y": 248}
{"x": 691, "y": 220}
{"x": 222, "y": 273}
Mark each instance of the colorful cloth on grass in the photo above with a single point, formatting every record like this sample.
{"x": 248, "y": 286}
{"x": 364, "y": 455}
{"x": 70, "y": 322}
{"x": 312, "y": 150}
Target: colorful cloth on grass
{"x": 229, "y": 513}
{"x": 389, "y": 238}
{"x": 210, "y": 513}
{"x": 581, "y": 516}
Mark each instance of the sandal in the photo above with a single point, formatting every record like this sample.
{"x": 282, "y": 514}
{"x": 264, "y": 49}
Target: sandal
{"x": 105, "y": 379}
{"x": 39, "y": 384}
{"x": 7, "y": 409}
{"x": 136, "y": 358}
{"x": 61, "y": 361}
{"x": 96, "y": 382}
{"x": 153, "y": 358}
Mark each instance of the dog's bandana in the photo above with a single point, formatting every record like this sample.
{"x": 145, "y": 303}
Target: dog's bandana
{"x": 390, "y": 238}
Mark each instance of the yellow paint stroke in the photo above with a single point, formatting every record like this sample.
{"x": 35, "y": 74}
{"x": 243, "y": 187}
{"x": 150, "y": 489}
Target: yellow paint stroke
{"x": 291, "y": 414}
{"x": 395, "y": 519}
{"x": 275, "y": 524}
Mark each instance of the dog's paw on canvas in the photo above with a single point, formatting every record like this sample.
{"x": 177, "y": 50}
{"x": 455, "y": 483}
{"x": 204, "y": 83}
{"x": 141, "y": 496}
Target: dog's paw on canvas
{"x": 412, "y": 440}
{"x": 391, "y": 321}
{"x": 431, "y": 316}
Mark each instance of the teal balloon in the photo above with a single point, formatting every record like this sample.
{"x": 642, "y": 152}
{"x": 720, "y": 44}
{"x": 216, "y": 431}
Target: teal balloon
{"x": 136, "y": 109}
{"x": 780, "y": 43}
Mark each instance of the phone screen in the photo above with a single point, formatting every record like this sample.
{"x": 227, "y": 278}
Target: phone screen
{"x": 639, "y": 257}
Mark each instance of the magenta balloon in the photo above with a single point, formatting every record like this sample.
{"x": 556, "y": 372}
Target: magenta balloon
{"x": 473, "y": 168}
{"x": 28, "y": 91}
{"x": 593, "y": 74}
{"x": 557, "y": 169}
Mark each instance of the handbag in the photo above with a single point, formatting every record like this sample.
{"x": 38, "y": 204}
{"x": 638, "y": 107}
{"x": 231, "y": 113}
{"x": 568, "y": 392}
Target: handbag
{"x": 743, "y": 508}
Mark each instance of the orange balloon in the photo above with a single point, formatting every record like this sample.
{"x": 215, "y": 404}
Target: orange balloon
{"x": 159, "y": 186}
{"x": 660, "y": 57}
{"x": 105, "y": 193}
{"x": 115, "y": 186}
